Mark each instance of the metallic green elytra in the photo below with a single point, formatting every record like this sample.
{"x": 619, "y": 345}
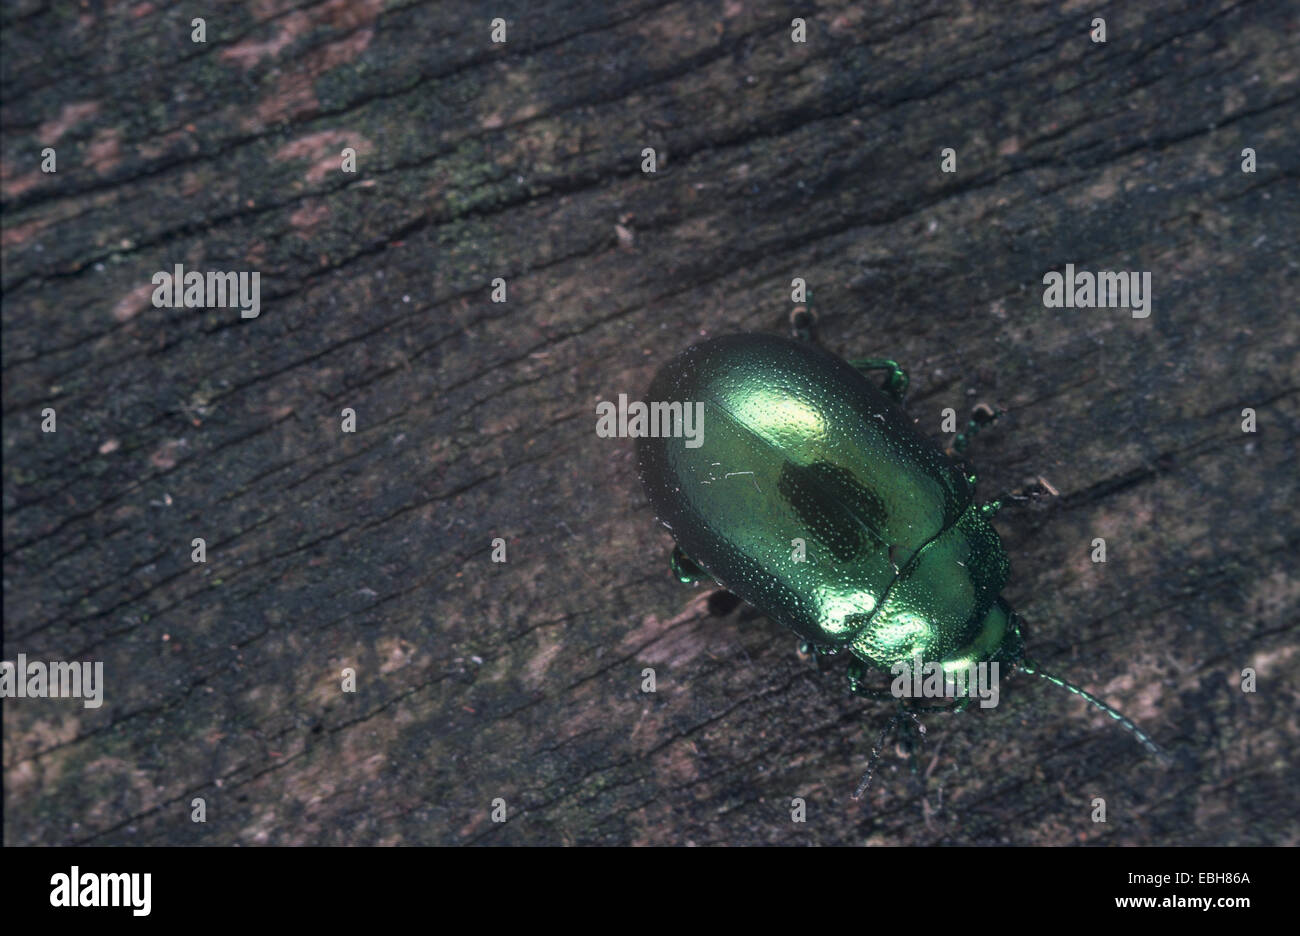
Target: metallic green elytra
{"x": 811, "y": 495}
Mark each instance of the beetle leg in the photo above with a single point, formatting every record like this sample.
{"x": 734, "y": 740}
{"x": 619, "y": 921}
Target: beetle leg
{"x": 870, "y": 693}
{"x": 911, "y": 736}
{"x": 1030, "y": 493}
{"x": 895, "y": 384}
{"x": 981, "y": 415}
{"x": 876, "y": 751}
{"x": 803, "y": 320}
{"x": 819, "y": 655}
{"x": 857, "y": 672}
{"x": 687, "y": 570}
{"x": 958, "y": 705}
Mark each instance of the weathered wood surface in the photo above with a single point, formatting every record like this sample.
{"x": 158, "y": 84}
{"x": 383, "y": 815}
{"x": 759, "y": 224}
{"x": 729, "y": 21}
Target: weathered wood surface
{"x": 523, "y": 680}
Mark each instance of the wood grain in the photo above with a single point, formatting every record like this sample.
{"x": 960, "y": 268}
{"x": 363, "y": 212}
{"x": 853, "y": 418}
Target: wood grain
{"x": 522, "y": 680}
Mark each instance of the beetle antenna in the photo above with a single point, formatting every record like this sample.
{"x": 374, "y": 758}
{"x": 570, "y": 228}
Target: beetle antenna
{"x": 875, "y": 756}
{"x": 1029, "y": 666}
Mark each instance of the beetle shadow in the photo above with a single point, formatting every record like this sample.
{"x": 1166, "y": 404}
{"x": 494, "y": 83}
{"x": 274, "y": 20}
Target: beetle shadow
{"x": 722, "y": 602}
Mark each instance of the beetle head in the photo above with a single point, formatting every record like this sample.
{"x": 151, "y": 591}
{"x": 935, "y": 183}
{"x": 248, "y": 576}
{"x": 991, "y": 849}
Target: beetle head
{"x": 994, "y": 638}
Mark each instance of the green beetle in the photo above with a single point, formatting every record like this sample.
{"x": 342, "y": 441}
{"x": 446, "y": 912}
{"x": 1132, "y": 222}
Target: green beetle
{"x": 811, "y": 496}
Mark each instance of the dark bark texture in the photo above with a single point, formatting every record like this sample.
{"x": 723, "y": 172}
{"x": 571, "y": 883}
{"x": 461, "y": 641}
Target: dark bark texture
{"x": 521, "y": 681}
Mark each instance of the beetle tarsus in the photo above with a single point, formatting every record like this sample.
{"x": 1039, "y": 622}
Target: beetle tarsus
{"x": 875, "y": 756}
{"x": 879, "y": 747}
